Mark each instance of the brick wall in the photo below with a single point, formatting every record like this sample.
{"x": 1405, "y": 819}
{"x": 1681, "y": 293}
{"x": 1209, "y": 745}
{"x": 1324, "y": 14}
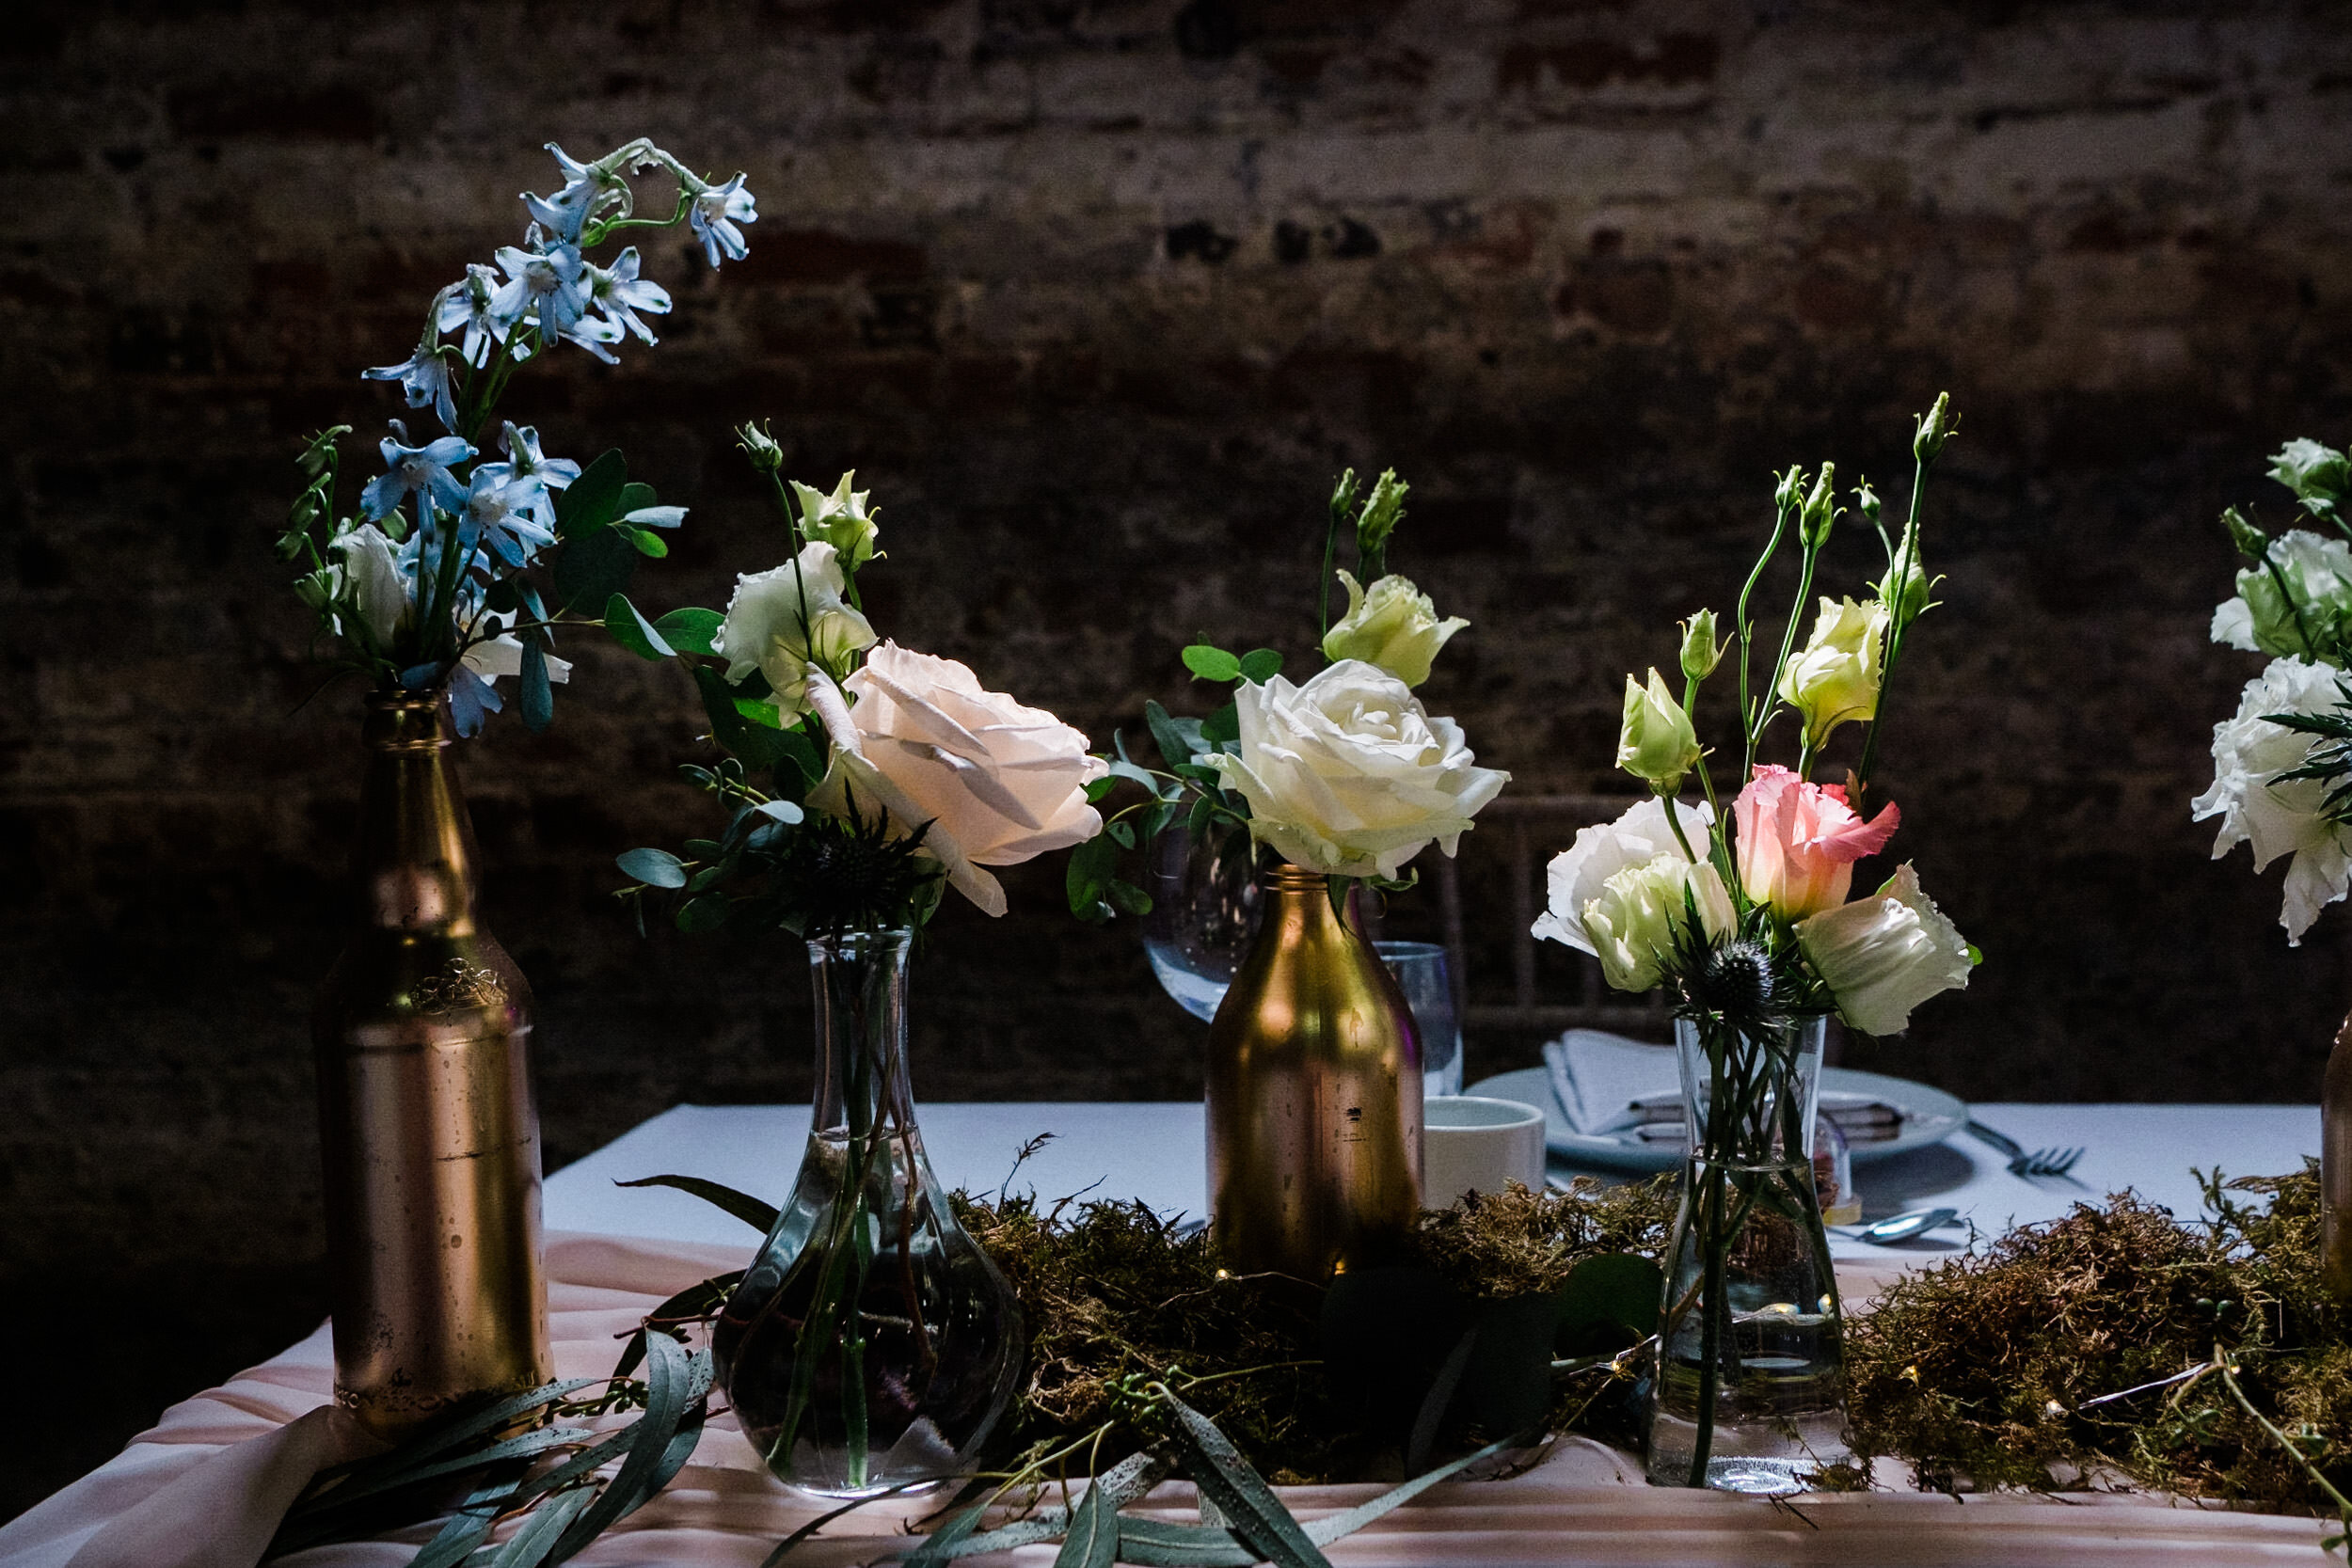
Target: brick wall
{"x": 1096, "y": 298}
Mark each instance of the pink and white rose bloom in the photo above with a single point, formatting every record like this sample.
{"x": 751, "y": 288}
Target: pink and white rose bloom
{"x": 918, "y": 737}
{"x": 1797, "y": 841}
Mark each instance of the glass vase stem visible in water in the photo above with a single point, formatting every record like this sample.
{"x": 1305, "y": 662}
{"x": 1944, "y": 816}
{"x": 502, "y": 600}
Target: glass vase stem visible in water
{"x": 1750, "y": 1382}
{"x": 871, "y": 1345}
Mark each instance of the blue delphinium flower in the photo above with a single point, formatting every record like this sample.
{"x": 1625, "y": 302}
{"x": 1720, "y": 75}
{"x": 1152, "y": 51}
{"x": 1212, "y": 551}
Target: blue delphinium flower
{"x": 596, "y": 336}
{"x": 716, "y": 211}
{"x": 543, "y": 284}
{"x": 421, "y": 471}
{"x": 618, "y": 294}
{"x": 568, "y": 209}
{"x": 471, "y": 700}
{"x": 424, "y": 377}
{"x": 527, "y": 466}
{"x": 468, "y": 305}
{"x": 501, "y": 514}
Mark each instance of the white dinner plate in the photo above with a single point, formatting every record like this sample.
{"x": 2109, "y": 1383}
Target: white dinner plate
{"x": 1929, "y": 1116}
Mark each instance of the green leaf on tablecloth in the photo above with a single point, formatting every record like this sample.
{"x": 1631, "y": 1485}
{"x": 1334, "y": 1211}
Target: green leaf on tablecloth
{"x": 467, "y": 1529}
{"x": 697, "y": 1301}
{"x": 1228, "y": 1479}
{"x": 1093, "y": 1537}
{"x": 541, "y": 1533}
{"x": 750, "y": 1210}
{"x": 676, "y": 1380}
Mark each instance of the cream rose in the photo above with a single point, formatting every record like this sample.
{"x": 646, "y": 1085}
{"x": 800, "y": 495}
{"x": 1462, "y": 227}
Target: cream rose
{"x": 1577, "y": 872}
{"x": 1393, "y": 625}
{"x": 1882, "y": 955}
{"x": 764, "y": 629}
{"x": 999, "y": 784}
{"x": 1347, "y": 775}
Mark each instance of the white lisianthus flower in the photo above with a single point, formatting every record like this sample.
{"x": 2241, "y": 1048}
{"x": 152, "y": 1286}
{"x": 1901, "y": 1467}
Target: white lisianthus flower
{"x": 1884, "y": 955}
{"x": 1642, "y": 911}
{"x": 997, "y": 783}
{"x": 374, "y": 584}
{"x": 1577, "y": 872}
{"x": 1392, "y": 624}
{"x": 1348, "y": 774}
{"x": 2249, "y": 751}
{"x": 2318, "y": 573}
{"x": 1836, "y": 676}
{"x": 783, "y": 621}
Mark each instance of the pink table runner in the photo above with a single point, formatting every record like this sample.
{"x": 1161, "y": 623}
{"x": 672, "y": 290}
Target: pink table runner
{"x": 205, "y": 1487}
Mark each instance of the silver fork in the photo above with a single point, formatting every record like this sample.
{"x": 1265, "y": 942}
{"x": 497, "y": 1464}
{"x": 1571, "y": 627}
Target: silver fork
{"x": 2041, "y": 1162}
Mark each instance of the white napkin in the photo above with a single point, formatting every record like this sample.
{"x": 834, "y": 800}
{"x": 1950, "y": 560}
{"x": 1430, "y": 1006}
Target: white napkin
{"x": 1598, "y": 1077}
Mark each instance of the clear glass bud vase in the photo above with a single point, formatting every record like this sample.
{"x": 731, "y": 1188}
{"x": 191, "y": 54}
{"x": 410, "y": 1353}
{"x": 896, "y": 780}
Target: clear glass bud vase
{"x": 872, "y": 1344}
{"x": 1750, "y": 1391}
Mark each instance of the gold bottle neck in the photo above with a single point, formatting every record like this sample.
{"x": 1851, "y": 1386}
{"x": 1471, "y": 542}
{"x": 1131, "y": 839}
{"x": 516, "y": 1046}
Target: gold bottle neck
{"x": 413, "y": 858}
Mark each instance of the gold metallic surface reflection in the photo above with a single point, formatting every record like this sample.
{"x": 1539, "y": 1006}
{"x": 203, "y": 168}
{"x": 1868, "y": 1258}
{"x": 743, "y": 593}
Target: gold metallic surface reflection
{"x": 428, "y": 1129}
{"x": 1314, "y": 1096}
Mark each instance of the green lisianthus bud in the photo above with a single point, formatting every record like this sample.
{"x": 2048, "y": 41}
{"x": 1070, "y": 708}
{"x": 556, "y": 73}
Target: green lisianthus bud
{"x": 2249, "y": 539}
{"x": 1820, "y": 507}
{"x": 2313, "y": 471}
{"x": 1934, "y": 427}
{"x": 1905, "y": 600}
{"x": 1788, "y": 488}
{"x": 1656, "y": 743}
{"x": 760, "y": 448}
{"x": 1393, "y": 625}
{"x": 1701, "y": 653}
{"x": 839, "y": 520}
{"x": 1383, "y": 510}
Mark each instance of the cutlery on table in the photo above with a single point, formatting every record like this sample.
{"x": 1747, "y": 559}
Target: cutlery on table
{"x": 2041, "y": 1162}
{"x": 1901, "y": 1227}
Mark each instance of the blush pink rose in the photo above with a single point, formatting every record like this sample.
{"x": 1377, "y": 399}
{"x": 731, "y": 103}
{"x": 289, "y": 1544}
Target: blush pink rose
{"x": 1798, "y": 841}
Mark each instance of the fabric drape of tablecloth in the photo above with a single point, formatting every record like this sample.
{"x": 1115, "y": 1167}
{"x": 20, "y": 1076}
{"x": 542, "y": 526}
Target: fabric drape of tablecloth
{"x": 205, "y": 1488}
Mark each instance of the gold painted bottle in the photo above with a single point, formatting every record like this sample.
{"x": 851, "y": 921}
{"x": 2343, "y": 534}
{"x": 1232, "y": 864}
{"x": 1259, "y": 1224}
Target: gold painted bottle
{"x": 2335, "y": 1168}
{"x": 1314, "y": 1097}
{"x": 428, "y": 1130}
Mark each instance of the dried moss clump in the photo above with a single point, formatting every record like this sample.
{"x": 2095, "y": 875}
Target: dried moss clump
{"x": 1109, "y": 1290}
{"x": 1981, "y": 1372}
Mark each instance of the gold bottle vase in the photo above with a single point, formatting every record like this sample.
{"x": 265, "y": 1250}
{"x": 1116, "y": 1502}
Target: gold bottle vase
{"x": 1314, "y": 1096}
{"x": 427, "y": 1126}
{"x": 2335, "y": 1168}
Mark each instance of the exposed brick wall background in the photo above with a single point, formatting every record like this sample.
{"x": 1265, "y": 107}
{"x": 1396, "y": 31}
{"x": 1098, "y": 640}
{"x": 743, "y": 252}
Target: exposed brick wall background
{"x": 1096, "y": 297}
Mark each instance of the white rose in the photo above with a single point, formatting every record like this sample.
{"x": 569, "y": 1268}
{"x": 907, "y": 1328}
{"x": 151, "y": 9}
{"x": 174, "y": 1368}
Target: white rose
{"x": 1642, "y": 912}
{"x": 999, "y": 784}
{"x": 1885, "y": 955}
{"x": 764, "y": 629}
{"x": 1348, "y": 775}
{"x": 1577, "y": 872}
{"x": 2279, "y": 819}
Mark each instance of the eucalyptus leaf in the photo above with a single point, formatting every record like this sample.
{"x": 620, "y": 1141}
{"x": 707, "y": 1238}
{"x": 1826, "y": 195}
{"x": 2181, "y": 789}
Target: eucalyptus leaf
{"x": 1221, "y": 730}
{"x": 592, "y": 567}
{"x": 1261, "y": 665}
{"x": 704, "y": 912}
{"x": 1225, "y": 1478}
{"x": 538, "y": 698}
{"x": 750, "y": 1210}
{"x": 589, "y": 501}
{"x": 690, "y": 630}
{"x": 542, "y": 1533}
{"x": 644, "y": 541}
{"x": 694, "y": 1301}
{"x": 1179, "y": 739}
{"x": 635, "y": 496}
{"x": 465, "y": 1529}
{"x": 675, "y": 1379}
{"x": 757, "y": 746}
{"x": 653, "y": 868}
{"x": 633, "y": 631}
{"x": 1120, "y": 833}
{"x": 1614, "y": 1295}
{"x": 1126, "y": 897}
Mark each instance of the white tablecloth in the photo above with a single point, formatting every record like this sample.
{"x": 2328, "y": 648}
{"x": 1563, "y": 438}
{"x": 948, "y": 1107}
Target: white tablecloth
{"x": 1156, "y": 1151}
{"x": 174, "y": 1498}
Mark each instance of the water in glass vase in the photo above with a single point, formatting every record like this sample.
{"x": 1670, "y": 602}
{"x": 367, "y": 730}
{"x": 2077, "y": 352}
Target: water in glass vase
{"x": 872, "y": 1346}
{"x": 1766, "y": 1320}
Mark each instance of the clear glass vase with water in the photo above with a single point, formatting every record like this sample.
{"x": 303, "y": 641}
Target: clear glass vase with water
{"x": 1750, "y": 1391}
